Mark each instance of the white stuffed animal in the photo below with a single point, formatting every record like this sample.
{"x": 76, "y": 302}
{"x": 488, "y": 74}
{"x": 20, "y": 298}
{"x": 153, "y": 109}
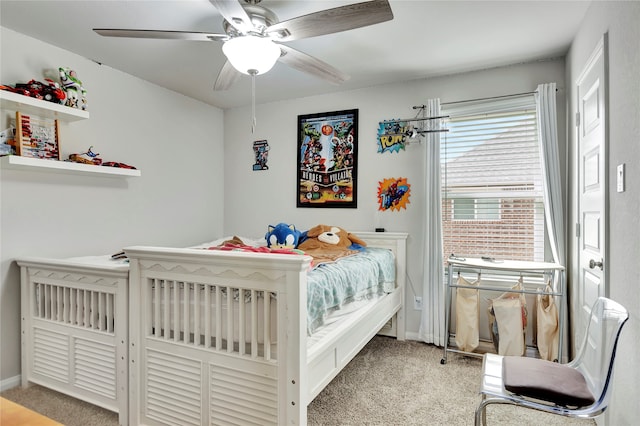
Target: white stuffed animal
{"x": 72, "y": 86}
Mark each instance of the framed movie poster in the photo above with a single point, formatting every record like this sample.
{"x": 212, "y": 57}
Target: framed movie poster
{"x": 327, "y": 159}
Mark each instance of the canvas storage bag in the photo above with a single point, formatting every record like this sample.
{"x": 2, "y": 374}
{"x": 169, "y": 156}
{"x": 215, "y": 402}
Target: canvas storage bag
{"x": 547, "y": 325}
{"x": 510, "y": 321}
{"x": 467, "y": 315}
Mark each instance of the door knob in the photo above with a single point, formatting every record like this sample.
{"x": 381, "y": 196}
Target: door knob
{"x": 593, "y": 264}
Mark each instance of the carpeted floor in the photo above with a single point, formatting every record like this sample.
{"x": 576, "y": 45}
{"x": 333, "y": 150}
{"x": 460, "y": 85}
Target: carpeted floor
{"x": 388, "y": 383}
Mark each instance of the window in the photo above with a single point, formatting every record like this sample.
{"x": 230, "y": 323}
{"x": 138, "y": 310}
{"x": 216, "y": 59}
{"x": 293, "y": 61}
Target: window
{"x": 492, "y": 181}
{"x": 475, "y": 209}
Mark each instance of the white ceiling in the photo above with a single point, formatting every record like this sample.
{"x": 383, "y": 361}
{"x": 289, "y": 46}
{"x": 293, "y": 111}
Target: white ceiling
{"x": 425, "y": 38}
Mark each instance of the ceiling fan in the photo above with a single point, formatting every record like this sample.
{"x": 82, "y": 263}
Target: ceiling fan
{"x": 253, "y": 36}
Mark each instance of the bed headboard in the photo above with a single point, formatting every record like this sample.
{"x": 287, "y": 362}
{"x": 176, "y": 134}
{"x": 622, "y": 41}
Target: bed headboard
{"x": 394, "y": 241}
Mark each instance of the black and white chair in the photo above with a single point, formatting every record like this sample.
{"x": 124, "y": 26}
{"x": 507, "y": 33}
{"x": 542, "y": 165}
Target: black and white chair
{"x": 581, "y": 388}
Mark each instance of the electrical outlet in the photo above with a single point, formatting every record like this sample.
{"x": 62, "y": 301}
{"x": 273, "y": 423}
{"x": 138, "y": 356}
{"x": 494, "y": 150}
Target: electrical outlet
{"x": 417, "y": 303}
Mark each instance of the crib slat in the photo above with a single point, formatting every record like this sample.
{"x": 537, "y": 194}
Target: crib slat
{"x": 156, "y": 320}
{"x": 97, "y": 313}
{"x": 41, "y": 300}
{"x": 110, "y": 309}
{"x": 100, "y": 314}
{"x": 218, "y": 316}
{"x": 186, "y": 307}
{"x": 167, "y": 310}
{"x": 94, "y": 309}
{"x": 88, "y": 323}
{"x": 78, "y": 307}
{"x": 241, "y": 321}
{"x": 50, "y": 302}
{"x": 196, "y": 316}
{"x": 85, "y": 309}
{"x": 229, "y": 319}
{"x": 176, "y": 310}
{"x": 58, "y": 303}
{"x": 65, "y": 305}
{"x": 207, "y": 316}
{"x": 254, "y": 324}
{"x": 73, "y": 306}
{"x": 267, "y": 325}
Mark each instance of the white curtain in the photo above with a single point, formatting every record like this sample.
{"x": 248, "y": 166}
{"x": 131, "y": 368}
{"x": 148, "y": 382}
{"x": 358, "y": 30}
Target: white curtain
{"x": 548, "y": 134}
{"x": 433, "y": 311}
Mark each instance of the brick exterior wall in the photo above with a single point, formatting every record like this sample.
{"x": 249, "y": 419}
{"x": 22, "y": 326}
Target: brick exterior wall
{"x": 502, "y": 239}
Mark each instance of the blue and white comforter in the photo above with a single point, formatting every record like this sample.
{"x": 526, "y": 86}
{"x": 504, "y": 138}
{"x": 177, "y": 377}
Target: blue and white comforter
{"x": 331, "y": 285}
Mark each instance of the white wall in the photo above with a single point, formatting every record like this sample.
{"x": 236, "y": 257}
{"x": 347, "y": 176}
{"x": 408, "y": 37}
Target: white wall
{"x": 174, "y": 140}
{"x": 254, "y": 200}
{"x": 620, "y": 20}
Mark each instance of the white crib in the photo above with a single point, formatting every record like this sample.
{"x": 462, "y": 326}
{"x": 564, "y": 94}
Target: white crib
{"x": 75, "y": 328}
{"x": 160, "y": 341}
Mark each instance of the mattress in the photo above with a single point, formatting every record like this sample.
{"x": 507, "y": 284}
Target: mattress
{"x": 332, "y": 286}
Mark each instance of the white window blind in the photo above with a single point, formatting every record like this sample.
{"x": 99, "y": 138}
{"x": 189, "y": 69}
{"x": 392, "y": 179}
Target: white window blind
{"x": 491, "y": 180}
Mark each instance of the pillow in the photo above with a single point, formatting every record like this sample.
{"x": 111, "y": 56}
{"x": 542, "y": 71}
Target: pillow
{"x": 546, "y": 380}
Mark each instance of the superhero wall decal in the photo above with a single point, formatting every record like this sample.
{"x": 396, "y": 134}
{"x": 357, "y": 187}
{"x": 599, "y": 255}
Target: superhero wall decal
{"x": 393, "y": 194}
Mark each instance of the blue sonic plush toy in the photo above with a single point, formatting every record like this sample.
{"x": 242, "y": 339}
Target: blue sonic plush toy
{"x": 284, "y": 236}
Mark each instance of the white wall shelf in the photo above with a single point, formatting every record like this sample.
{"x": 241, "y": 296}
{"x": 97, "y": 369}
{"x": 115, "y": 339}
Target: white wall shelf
{"x": 65, "y": 167}
{"x": 15, "y": 102}
{"x": 45, "y": 109}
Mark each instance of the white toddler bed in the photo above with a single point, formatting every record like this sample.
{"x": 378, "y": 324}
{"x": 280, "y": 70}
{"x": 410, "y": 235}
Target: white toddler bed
{"x": 183, "y": 367}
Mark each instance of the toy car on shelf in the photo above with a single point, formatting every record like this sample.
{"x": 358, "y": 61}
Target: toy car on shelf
{"x": 88, "y": 157}
{"x": 117, "y": 164}
{"x": 49, "y": 91}
{"x": 12, "y": 89}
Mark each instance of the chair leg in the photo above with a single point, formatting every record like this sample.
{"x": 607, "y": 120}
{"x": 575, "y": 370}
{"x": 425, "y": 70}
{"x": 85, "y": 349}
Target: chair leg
{"x": 484, "y": 416}
{"x": 481, "y": 413}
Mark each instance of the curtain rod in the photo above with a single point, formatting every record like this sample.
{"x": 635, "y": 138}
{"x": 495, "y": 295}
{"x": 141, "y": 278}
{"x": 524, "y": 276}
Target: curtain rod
{"x": 488, "y": 98}
{"x": 491, "y": 97}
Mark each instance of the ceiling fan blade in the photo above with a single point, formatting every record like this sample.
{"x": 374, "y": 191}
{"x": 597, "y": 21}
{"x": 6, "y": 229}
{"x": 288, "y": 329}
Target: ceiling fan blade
{"x": 161, "y": 35}
{"x": 310, "y": 65}
{"x": 331, "y": 21}
{"x": 234, "y": 13}
{"x": 227, "y": 77}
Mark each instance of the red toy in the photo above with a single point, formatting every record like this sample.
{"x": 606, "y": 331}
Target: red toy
{"x": 50, "y": 91}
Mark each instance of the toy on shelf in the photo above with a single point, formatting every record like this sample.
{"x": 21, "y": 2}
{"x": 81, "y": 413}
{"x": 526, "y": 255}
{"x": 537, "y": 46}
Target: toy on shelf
{"x": 76, "y": 94}
{"x": 7, "y": 141}
{"x": 37, "y": 137}
{"x": 118, "y": 164}
{"x": 49, "y": 91}
{"x": 88, "y": 157}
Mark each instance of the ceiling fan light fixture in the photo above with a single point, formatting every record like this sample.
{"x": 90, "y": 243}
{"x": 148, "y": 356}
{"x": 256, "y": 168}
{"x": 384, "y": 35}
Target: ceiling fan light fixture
{"x": 251, "y": 54}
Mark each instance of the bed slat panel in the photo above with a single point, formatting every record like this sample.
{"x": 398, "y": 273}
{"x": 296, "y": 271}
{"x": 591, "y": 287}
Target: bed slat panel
{"x": 226, "y": 318}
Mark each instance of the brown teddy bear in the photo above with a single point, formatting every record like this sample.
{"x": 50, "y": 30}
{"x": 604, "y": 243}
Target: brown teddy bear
{"x": 328, "y": 243}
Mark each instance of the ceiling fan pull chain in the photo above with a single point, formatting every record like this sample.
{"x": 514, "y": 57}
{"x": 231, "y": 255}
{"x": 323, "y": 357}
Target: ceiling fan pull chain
{"x": 253, "y": 102}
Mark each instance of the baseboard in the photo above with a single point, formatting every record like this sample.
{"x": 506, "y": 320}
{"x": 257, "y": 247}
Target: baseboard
{"x": 11, "y": 382}
{"x": 412, "y": 335}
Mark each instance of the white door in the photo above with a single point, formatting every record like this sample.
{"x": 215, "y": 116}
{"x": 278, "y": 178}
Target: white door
{"x": 592, "y": 192}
